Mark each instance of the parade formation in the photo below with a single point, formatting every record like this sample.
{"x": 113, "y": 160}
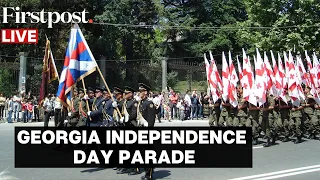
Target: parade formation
{"x": 278, "y": 103}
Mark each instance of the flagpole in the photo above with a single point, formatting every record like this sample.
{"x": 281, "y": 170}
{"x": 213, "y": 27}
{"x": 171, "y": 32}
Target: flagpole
{"x": 105, "y": 83}
{"x": 85, "y": 93}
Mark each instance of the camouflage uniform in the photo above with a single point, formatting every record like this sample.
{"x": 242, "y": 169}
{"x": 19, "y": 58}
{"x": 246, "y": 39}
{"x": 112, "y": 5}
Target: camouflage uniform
{"x": 315, "y": 119}
{"x": 83, "y": 113}
{"x": 268, "y": 120}
{"x": 242, "y": 116}
{"x": 74, "y": 118}
{"x": 309, "y": 113}
{"x": 225, "y": 112}
{"x": 253, "y": 116}
{"x": 284, "y": 109}
{"x": 295, "y": 122}
{"x": 215, "y": 112}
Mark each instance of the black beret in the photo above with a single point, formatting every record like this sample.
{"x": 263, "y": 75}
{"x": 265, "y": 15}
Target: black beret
{"x": 90, "y": 89}
{"x": 99, "y": 89}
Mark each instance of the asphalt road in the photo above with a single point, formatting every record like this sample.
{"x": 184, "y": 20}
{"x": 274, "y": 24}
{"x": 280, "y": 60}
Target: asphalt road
{"x": 283, "y": 161}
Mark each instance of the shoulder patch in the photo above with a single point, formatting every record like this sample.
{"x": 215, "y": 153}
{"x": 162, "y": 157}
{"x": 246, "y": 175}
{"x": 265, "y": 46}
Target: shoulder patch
{"x": 151, "y": 105}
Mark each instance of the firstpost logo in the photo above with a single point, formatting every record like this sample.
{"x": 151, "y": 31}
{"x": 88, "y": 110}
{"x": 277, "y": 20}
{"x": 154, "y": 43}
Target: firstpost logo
{"x": 30, "y": 36}
{"x": 42, "y": 16}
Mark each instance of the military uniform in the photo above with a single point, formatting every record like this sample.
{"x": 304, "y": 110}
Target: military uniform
{"x": 147, "y": 110}
{"x": 295, "y": 122}
{"x": 74, "y": 115}
{"x": 309, "y": 113}
{"x": 97, "y": 107}
{"x": 284, "y": 109}
{"x": 215, "y": 112}
{"x": 225, "y": 112}
{"x": 268, "y": 119}
{"x": 82, "y": 110}
{"x": 253, "y": 116}
{"x": 315, "y": 119}
{"x": 242, "y": 116}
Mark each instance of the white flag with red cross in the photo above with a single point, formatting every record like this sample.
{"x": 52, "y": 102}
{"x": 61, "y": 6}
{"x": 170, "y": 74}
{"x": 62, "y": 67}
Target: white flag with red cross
{"x": 233, "y": 77}
{"x": 225, "y": 78}
{"x": 260, "y": 80}
{"x": 282, "y": 79}
{"x": 292, "y": 81}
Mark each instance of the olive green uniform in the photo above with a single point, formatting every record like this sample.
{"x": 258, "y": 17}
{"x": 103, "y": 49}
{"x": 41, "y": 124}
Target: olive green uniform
{"x": 309, "y": 113}
{"x": 242, "y": 115}
{"x": 225, "y": 112}
{"x": 215, "y": 112}
{"x": 284, "y": 109}
{"x": 253, "y": 116}
{"x": 295, "y": 121}
{"x": 315, "y": 119}
{"x": 74, "y": 118}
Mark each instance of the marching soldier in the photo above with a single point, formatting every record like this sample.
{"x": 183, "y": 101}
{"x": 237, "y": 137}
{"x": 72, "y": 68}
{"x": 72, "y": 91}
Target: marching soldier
{"x": 118, "y": 102}
{"x": 74, "y": 114}
{"x": 253, "y": 116}
{"x": 83, "y": 109}
{"x": 96, "y": 114}
{"x": 284, "y": 109}
{"x": 242, "y": 116}
{"x": 215, "y": 112}
{"x": 309, "y": 113}
{"x": 295, "y": 121}
{"x": 267, "y": 119}
{"x": 107, "y": 109}
{"x": 225, "y": 112}
{"x": 316, "y": 115}
{"x": 147, "y": 110}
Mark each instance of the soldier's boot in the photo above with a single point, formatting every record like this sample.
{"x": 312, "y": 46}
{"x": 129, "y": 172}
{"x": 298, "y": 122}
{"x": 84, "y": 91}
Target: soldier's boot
{"x": 298, "y": 140}
{"x": 255, "y": 141}
{"x": 312, "y": 136}
{"x": 134, "y": 171}
{"x": 273, "y": 139}
{"x": 123, "y": 171}
{"x": 267, "y": 144}
{"x": 148, "y": 175}
{"x": 285, "y": 139}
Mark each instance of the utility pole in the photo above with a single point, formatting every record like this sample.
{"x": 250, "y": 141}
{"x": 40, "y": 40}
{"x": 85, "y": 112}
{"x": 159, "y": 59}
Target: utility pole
{"x": 164, "y": 72}
{"x": 23, "y": 71}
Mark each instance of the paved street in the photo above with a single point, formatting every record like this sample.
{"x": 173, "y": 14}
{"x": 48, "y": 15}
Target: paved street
{"x": 283, "y": 161}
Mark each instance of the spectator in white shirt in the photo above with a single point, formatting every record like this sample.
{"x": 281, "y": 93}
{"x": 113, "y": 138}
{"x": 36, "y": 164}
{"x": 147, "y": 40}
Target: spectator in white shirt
{"x": 187, "y": 101}
{"x": 16, "y": 107}
{"x": 48, "y": 106}
{"x": 57, "y": 112}
{"x": 10, "y": 108}
{"x": 156, "y": 101}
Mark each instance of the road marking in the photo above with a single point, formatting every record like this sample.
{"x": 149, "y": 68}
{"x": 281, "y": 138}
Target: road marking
{"x": 257, "y": 147}
{"x": 301, "y": 169}
{"x": 290, "y": 174}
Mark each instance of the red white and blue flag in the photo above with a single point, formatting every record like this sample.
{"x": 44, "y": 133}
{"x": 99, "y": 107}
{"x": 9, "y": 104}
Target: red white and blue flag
{"x": 78, "y": 63}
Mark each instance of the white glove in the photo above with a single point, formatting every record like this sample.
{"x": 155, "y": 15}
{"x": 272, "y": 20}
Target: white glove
{"x": 121, "y": 120}
{"x": 145, "y": 124}
{"x": 115, "y": 104}
{"x": 137, "y": 98}
{"x": 89, "y": 112}
{"x": 65, "y": 121}
{"x": 69, "y": 114}
{"x": 86, "y": 97}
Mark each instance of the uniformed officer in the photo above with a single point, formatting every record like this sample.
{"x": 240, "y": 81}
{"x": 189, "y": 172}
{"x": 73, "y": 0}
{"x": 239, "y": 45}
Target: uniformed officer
{"x": 309, "y": 113}
{"x": 215, "y": 112}
{"x": 90, "y": 97}
{"x": 147, "y": 110}
{"x": 108, "y": 109}
{"x": 74, "y": 113}
{"x": 95, "y": 115}
{"x": 82, "y": 109}
{"x": 117, "y": 103}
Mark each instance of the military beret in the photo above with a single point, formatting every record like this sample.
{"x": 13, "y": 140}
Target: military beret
{"x": 128, "y": 89}
{"x": 117, "y": 90}
{"x": 144, "y": 87}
